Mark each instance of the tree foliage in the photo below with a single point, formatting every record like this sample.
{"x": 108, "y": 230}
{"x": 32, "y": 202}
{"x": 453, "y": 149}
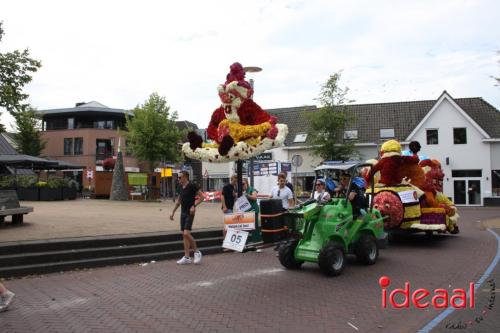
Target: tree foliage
{"x": 16, "y": 69}
{"x": 327, "y": 125}
{"x": 28, "y": 137}
{"x": 152, "y": 132}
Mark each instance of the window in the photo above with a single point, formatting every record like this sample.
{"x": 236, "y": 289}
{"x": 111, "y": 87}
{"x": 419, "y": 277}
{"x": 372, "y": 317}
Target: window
{"x": 467, "y": 173}
{"x": 386, "y": 133}
{"x": 78, "y": 146}
{"x": 109, "y": 124}
{"x": 71, "y": 123}
{"x": 351, "y": 135}
{"x": 495, "y": 183}
{"x": 460, "y": 136}
{"x": 99, "y": 124}
{"x": 300, "y": 137}
{"x": 432, "y": 137}
{"x": 68, "y": 146}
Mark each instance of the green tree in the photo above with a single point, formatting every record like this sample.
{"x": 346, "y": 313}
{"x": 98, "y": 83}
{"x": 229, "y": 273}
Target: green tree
{"x": 152, "y": 132}
{"x": 15, "y": 72}
{"x": 327, "y": 125}
{"x": 28, "y": 137}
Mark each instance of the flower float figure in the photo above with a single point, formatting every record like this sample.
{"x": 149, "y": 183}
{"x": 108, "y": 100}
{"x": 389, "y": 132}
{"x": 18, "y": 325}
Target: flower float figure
{"x": 239, "y": 128}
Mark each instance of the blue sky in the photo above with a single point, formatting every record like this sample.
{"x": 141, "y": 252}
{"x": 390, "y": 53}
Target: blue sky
{"x": 118, "y": 52}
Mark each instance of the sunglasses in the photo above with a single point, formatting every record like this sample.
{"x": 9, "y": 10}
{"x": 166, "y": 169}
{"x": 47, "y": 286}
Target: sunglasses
{"x": 319, "y": 184}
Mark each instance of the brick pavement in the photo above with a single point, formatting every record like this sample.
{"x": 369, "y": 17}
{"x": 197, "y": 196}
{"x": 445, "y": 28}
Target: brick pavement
{"x": 485, "y": 317}
{"x": 250, "y": 292}
{"x": 85, "y": 217}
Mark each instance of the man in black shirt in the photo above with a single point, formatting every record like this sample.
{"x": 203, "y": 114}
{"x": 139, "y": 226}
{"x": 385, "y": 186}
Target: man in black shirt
{"x": 229, "y": 194}
{"x": 187, "y": 201}
{"x": 356, "y": 194}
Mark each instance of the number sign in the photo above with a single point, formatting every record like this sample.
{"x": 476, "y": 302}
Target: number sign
{"x": 235, "y": 240}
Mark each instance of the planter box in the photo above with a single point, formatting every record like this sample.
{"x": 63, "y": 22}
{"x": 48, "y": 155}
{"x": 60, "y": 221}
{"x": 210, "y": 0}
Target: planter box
{"x": 28, "y": 193}
{"x": 51, "y": 194}
{"x": 69, "y": 193}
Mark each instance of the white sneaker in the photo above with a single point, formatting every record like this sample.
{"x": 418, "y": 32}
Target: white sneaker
{"x": 197, "y": 257}
{"x": 5, "y": 299}
{"x": 184, "y": 261}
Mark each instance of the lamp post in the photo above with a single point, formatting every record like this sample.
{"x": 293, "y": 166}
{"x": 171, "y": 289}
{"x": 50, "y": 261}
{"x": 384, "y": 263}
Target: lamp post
{"x": 251, "y": 69}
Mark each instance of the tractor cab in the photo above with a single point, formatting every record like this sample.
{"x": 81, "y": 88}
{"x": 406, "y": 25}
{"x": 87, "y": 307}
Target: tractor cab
{"x": 326, "y": 232}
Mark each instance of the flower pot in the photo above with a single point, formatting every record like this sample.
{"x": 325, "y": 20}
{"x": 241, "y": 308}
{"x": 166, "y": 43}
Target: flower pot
{"x": 51, "y": 194}
{"x": 69, "y": 193}
{"x": 28, "y": 193}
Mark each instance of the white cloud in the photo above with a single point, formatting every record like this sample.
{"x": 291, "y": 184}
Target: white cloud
{"x": 118, "y": 52}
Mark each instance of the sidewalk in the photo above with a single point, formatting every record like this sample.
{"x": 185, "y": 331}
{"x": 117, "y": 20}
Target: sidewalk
{"x": 86, "y": 217}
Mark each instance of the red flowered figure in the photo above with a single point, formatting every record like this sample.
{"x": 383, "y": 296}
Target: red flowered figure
{"x": 391, "y": 163}
{"x": 238, "y": 119}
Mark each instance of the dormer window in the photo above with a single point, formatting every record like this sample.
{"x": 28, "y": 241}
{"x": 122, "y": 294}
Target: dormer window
{"x": 300, "y": 137}
{"x": 351, "y": 135}
{"x": 387, "y": 133}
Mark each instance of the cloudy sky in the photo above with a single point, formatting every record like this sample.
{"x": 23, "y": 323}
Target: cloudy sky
{"x": 119, "y": 52}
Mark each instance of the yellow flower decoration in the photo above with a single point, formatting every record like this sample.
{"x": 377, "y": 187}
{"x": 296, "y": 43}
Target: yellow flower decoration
{"x": 241, "y": 132}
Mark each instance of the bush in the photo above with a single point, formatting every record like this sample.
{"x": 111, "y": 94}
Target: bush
{"x": 7, "y": 181}
{"x": 57, "y": 182}
{"x": 41, "y": 184}
{"x": 26, "y": 181}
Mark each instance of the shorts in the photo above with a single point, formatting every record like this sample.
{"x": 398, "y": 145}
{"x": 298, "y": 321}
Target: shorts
{"x": 186, "y": 221}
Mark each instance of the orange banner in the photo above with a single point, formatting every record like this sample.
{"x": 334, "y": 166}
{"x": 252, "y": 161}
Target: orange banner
{"x": 240, "y": 221}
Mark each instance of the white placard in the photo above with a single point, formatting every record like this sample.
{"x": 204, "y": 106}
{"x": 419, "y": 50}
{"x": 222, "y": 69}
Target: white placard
{"x": 241, "y": 204}
{"x": 235, "y": 240}
{"x": 410, "y": 196}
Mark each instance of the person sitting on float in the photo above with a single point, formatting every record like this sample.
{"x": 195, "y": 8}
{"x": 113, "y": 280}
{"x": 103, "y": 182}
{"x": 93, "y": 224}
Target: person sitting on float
{"x": 321, "y": 194}
{"x": 356, "y": 195}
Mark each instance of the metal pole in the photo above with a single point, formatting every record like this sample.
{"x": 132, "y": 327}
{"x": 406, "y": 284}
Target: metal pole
{"x": 239, "y": 174}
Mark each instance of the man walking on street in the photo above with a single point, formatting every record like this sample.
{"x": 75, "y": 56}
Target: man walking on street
{"x": 187, "y": 201}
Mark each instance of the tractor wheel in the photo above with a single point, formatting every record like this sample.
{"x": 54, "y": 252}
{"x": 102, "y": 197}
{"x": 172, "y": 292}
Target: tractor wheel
{"x": 287, "y": 255}
{"x": 331, "y": 259}
{"x": 366, "y": 249}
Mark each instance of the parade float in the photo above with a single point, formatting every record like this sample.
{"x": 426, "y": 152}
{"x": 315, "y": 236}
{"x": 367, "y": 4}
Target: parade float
{"x": 408, "y": 191}
{"x": 239, "y": 129}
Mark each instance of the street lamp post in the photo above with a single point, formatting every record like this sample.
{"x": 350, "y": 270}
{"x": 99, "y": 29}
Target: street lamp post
{"x": 251, "y": 69}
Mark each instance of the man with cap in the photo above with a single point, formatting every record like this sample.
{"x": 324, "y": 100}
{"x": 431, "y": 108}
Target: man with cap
{"x": 356, "y": 194}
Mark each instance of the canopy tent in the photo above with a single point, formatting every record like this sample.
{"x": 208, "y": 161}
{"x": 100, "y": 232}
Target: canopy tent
{"x": 63, "y": 165}
{"x": 22, "y": 162}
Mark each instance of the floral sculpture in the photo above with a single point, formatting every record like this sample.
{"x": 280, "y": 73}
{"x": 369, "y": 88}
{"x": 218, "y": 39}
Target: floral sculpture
{"x": 239, "y": 129}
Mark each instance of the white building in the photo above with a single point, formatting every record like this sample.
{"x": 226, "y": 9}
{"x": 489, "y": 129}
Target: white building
{"x": 462, "y": 133}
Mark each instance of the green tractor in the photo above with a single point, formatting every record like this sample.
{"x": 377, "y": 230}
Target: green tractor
{"x": 325, "y": 232}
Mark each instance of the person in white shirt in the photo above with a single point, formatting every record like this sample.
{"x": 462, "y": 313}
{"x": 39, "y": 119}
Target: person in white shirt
{"x": 281, "y": 191}
{"x": 320, "y": 194}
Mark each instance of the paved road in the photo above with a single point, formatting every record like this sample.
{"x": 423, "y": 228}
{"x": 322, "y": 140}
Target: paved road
{"x": 251, "y": 292}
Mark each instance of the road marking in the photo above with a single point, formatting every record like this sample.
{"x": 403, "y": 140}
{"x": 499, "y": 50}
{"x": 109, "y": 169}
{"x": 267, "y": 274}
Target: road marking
{"x": 59, "y": 305}
{"x": 433, "y": 323}
{"x": 357, "y": 329}
{"x": 239, "y": 276}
